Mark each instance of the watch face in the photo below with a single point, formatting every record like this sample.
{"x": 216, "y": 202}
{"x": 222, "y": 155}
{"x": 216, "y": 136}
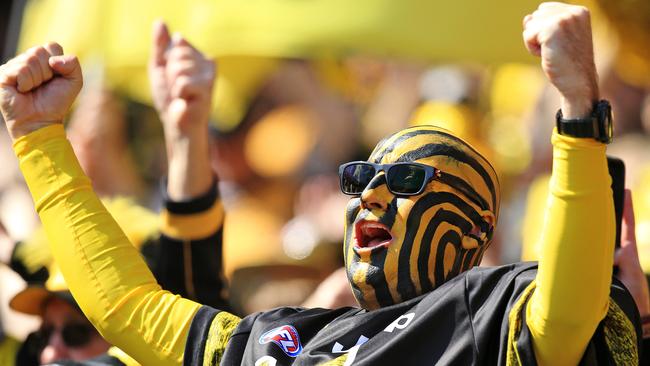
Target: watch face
{"x": 604, "y": 121}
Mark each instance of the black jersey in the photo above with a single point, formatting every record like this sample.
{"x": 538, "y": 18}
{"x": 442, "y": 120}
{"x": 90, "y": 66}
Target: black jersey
{"x": 478, "y": 318}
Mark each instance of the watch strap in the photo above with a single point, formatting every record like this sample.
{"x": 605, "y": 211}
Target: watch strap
{"x": 597, "y": 125}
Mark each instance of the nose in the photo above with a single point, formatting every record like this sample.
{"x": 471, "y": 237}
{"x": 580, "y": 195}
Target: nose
{"x": 376, "y": 195}
{"x": 54, "y": 350}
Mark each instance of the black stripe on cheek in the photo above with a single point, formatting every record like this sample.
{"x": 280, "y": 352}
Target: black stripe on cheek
{"x": 468, "y": 261}
{"x": 425, "y": 252}
{"x": 461, "y": 256}
{"x": 430, "y": 150}
{"x": 350, "y": 214}
{"x": 425, "y": 248}
{"x": 388, "y": 218}
{"x": 378, "y": 280}
{"x": 449, "y": 238}
{"x": 352, "y": 209}
{"x": 405, "y": 286}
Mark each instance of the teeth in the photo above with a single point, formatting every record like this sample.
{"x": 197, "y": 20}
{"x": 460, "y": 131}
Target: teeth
{"x": 369, "y": 228}
{"x": 373, "y": 234}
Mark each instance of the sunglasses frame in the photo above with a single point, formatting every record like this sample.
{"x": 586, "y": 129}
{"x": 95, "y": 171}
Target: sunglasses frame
{"x": 45, "y": 334}
{"x": 429, "y": 173}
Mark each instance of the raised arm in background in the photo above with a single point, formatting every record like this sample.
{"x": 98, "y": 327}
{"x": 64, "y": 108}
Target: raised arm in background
{"x": 191, "y": 241}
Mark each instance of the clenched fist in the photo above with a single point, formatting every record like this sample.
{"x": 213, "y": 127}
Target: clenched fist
{"x": 561, "y": 35}
{"x": 37, "y": 88}
{"x": 181, "y": 82}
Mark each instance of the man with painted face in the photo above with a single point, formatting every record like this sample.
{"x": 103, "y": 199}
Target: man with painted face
{"x": 423, "y": 211}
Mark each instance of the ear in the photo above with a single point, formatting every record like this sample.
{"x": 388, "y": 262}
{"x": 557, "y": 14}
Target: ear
{"x": 481, "y": 234}
{"x": 490, "y": 221}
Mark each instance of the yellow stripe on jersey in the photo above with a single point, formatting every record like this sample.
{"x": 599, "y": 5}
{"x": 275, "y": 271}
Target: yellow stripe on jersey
{"x": 193, "y": 226}
{"x": 514, "y": 325}
{"x": 620, "y": 336}
{"x": 220, "y": 331}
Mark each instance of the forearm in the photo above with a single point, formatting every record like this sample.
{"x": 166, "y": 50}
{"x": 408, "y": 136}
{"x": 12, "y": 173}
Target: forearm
{"x": 189, "y": 170}
{"x": 575, "y": 267}
{"x": 105, "y": 273}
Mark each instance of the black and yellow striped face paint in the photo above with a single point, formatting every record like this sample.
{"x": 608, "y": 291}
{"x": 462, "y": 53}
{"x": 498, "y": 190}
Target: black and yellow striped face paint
{"x": 397, "y": 248}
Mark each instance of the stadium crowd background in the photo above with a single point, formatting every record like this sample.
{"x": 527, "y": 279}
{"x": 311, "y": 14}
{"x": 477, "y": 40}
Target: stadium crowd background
{"x": 301, "y": 88}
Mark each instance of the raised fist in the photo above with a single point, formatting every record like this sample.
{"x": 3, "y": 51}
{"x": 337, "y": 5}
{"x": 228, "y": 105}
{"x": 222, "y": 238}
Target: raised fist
{"x": 561, "y": 35}
{"x": 37, "y": 88}
{"x": 181, "y": 81}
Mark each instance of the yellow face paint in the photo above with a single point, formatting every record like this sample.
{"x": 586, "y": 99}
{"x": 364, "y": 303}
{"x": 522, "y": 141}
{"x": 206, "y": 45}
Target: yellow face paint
{"x": 397, "y": 248}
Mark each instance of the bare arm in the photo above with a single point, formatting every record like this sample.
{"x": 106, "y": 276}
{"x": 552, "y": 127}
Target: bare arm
{"x": 181, "y": 84}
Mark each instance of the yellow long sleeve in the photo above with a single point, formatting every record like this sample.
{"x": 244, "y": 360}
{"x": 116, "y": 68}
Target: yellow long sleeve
{"x": 575, "y": 266}
{"x": 105, "y": 273}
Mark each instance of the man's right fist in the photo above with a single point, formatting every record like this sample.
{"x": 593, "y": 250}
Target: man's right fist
{"x": 37, "y": 88}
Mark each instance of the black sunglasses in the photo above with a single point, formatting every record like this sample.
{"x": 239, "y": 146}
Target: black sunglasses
{"x": 403, "y": 179}
{"x": 74, "y": 335}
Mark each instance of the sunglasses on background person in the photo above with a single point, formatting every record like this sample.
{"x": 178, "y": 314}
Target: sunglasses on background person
{"x": 402, "y": 179}
{"x": 74, "y": 335}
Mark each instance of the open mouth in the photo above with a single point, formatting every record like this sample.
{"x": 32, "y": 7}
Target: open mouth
{"x": 370, "y": 234}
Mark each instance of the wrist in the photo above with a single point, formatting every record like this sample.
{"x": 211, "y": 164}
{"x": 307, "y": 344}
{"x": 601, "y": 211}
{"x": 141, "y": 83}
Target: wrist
{"x": 19, "y": 129}
{"x": 577, "y": 108}
{"x": 579, "y": 104}
{"x": 189, "y": 169}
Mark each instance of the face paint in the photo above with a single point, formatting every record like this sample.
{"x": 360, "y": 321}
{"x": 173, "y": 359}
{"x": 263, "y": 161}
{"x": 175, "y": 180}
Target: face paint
{"x": 397, "y": 248}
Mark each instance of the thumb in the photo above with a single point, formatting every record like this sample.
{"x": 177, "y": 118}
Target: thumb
{"x": 161, "y": 41}
{"x": 66, "y": 66}
{"x": 620, "y": 256}
{"x": 628, "y": 235}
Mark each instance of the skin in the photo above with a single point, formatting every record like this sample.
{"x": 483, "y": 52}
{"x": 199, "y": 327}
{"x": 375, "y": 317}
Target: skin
{"x": 181, "y": 84}
{"x": 627, "y": 260}
{"x": 56, "y": 314}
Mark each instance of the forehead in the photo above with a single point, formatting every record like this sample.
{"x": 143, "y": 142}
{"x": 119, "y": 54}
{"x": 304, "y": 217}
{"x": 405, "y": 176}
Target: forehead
{"x": 439, "y": 148}
{"x": 421, "y": 145}
{"x": 57, "y": 311}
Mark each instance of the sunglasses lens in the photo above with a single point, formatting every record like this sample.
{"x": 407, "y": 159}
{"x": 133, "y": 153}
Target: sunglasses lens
{"x": 355, "y": 177}
{"x": 76, "y": 335}
{"x": 42, "y": 337}
{"x": 406, "y": 178}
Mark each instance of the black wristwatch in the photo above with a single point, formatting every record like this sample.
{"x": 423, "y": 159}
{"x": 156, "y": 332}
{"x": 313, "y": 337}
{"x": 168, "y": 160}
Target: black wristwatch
{"x": 597, "y": 126}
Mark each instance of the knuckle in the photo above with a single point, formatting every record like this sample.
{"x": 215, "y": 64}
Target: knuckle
{"x": 185, "y": 69}
{"x": 582, "y": 11}
{"x": 33, "y": 51}
{"x": 564, "y": 21}
{"x": 33, "y": 61}
{"x": 183, "y": 81}
{"x": 186, "y": 53}
{"x": 54, "y": 48}
{"x": 23, "y": 69}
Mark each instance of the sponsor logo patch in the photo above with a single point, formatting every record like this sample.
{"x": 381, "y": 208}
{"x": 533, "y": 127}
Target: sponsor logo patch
{"x": 286, "y": 337}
